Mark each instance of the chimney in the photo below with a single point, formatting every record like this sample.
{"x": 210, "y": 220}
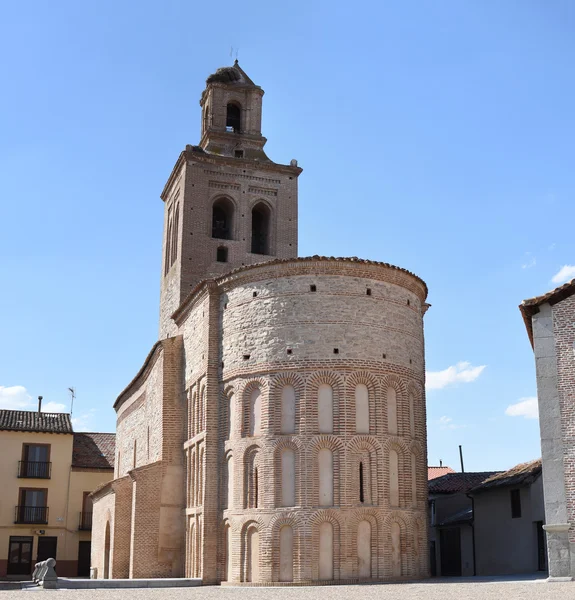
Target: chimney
{"x": 440, "y": 463}
{"x": 39, "y": 404}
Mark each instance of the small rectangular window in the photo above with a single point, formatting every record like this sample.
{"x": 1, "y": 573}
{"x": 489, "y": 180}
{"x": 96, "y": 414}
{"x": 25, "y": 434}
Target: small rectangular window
{"x": 239, "y": 153}
{"x": 515, "y": 504}
{"x": 222, "y": 254}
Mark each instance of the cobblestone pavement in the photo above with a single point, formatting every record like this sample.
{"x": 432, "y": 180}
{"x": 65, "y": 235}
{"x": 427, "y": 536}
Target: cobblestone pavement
{"x": 436, "y": 590}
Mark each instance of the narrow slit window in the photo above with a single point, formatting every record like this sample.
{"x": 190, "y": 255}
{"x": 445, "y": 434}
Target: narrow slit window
{"x": 222, "y": 255}
{"x": 256, "y": 488}
{"x": 361, "y": 494}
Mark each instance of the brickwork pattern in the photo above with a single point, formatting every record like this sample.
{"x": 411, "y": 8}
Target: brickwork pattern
{"x": 564, "y": 332}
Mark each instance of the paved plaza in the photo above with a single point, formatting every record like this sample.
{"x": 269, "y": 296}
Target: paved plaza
{"x": 435, "y": 590}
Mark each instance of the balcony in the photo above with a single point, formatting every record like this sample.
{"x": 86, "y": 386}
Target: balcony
{"x": 85, "y": 521}
{"x": 34, "y": 470}
{"x": 32, "y": 514}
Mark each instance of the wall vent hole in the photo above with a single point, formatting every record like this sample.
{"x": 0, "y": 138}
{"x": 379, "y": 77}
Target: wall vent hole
{"x": 289, "y": 350}
{"x": 246, "y": 357}
{"x": 384, "y": 355}
{"x": 368, "y": 292}
{"x": 313, "y": 288}
{"x": 408, "y": 303}
{"x": 336, "y": 350}
{"x": 254, "y": 294}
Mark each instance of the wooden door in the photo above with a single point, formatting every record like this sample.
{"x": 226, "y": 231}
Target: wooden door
{"x": 20, "y": 555}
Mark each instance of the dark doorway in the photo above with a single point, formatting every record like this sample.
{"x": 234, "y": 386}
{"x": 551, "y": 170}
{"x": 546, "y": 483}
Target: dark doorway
{"x": 46, "y": 548}
{"x": 84, "y": 551}
{"x": 450, "y": 552}
{"x": 20, "y": 555}
{"x": 541, "y": 554}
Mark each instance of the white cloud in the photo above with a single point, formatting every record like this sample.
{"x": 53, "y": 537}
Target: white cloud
{"x": 565, "y": 273}
{"x": 53, "y": 407}
{"x": 462, "y": 372}
{"x": 17, "y": 397}
{"x": 526, "y": 407}
{"x": 446, "y": 422}
{"x": 530, "y": 261}
{"x": 14, "y": 397}
{"x": 82, "y": 422}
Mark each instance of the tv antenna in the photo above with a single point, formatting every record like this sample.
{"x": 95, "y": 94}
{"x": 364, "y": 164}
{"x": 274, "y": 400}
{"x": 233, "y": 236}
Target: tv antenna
{"x": 72, "y": 396}
{"x": 234, "y": 51}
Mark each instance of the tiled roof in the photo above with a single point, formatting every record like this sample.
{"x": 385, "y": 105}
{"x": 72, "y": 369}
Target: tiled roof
{"x": 454, "y": 483}
{"x": 94, "y": 450}
{"x": 531, "y": 306}
{"x": 523, "y": 474}
{"x": 435, "y": 472}
{"x": 27, "y": 420}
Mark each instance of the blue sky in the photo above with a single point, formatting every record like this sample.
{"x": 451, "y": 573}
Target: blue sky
{"x": 437, "y": 136}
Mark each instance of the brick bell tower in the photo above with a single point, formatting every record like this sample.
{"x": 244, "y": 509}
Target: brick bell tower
{"x": 226, "y": 203}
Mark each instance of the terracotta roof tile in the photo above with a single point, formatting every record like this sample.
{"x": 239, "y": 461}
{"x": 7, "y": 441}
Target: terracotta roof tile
{"x": 435, "y": 472}
{"x": 523, "y": 474}
{"x": 454, "y": 483}
{"x": 531, "y": 306}
{"x": 27, "y": 420}
{"x": 94, "y": 450}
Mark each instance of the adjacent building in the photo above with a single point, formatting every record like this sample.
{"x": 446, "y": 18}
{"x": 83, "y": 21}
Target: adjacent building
{"x": 47, "y": 473}
{"x": 508, "y": 516}
{"x": 550, "y": 323}
{"x": 276, "y": 432}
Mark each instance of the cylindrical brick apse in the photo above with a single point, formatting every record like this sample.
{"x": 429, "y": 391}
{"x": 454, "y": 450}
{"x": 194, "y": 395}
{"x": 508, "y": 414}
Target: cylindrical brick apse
{"x": 321, "y": 423}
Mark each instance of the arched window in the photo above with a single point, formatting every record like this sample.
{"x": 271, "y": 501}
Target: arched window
{"x": 255, "y": 411}
{"x": 326, "y": 551}
{"x": 325, "y": 468}
{"x": 253, "y": 555}
{"x": 201, "y": 477}
{"x": 233, "y": 117}
{"x": 361, "y": 409}
{"x": 413, "y": 479}
{"x": 393, "y": 478}
{"x": 392, "y": 410}
{"x": 288, "y": 409}
{"x": 286, "y": 553}
{"x": 222, "y": 219}
{"x": 288, "y": 477}
{"x": 261, "y": 218}
{"x": 364, "y": 549}
{"x": 251, "y": 483}
{"x": 206, "y": 117}
{"x": 396, "y": 550}
{"x": 412, "y": 415}
{"x": 325, "y": 408}
{"x": 228, "y": 550}
{"x": 231, "y": 416}
{"x": 222, "y": 254}
{"x": 168, "y": 249}
{"x": 175, "y": 230}
{"x": 229, "y": 483}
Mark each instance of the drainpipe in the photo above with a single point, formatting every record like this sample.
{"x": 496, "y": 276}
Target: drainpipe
{"x": 472, "y": 513}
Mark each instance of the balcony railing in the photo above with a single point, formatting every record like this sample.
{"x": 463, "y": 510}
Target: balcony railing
{"x": 85, "y": 521}
{"x": 31, "y": 514}
{"x": 34, "y": 469}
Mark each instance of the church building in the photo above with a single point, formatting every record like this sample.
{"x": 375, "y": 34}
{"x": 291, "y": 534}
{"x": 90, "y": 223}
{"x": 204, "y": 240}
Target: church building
{"x": 276, "y": 432}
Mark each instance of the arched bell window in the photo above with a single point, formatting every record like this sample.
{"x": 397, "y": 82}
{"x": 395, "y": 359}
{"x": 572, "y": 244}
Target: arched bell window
{"x": 233, "y": 117}
{"x": 222, "y": 219}
{"x": 261, "y": 218}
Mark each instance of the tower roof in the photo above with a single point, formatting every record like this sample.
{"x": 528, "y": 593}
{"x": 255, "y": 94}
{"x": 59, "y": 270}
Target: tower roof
{"x": 230, "y": 76}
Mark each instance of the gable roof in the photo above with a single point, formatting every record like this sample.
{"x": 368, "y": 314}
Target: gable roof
{"x": 523, "y": 474}
{"x": 454, "y": 483}
{"x": 435, "y": 472}
{"x": 531, "y": 306}
{"x": 27, "y": 420}
{"x": 94, "y": 450}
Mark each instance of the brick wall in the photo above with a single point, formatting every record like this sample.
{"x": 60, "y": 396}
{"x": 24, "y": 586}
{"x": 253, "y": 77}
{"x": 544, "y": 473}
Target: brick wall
{"x": 564, "y": 332}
